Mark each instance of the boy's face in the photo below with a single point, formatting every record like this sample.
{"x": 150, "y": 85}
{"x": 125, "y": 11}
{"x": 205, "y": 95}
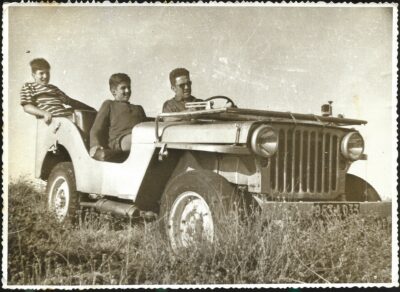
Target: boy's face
{"x": 182, "y": 87}
{"x": 41, "y": 76}
{"x": 122, "y": 92}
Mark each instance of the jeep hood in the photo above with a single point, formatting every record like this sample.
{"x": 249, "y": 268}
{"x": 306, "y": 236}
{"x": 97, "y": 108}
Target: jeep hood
{"x": 240, "y": 114}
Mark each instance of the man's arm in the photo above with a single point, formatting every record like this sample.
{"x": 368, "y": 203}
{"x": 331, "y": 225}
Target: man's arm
{"x": 99, "y": 130}
{"x": 169, "y": 108}
{"x": 75, "y": 104}
{"x": 29, "y": 104}
{"x": 166, "y": 107}
{"x": 143, "y": 113}
{"x": 34, "y": 110}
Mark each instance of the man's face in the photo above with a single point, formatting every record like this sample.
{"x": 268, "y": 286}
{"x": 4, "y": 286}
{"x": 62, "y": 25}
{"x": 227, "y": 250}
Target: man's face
{"x": 122, "y": 92}
{"x": 182, "y": 87}
{"x": 41, "y": 76}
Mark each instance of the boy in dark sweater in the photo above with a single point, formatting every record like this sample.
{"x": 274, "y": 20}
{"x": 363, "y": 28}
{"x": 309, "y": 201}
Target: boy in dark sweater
{"x": 114, "y": 122}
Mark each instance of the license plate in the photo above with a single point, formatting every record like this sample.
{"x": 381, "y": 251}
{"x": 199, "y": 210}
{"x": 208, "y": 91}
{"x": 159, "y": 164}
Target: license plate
{"x": 341, "y": 210}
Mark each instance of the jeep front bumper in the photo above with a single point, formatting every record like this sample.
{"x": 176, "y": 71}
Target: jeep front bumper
{"x": 318, "y": 209}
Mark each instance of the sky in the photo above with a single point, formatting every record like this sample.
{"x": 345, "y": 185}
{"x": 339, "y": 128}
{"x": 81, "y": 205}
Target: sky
{"x": 274, "y": 58}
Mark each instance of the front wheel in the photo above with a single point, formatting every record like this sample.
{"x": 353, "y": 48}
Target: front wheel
{"x": 194, "y": 208}
{"x": 63, "y": 198}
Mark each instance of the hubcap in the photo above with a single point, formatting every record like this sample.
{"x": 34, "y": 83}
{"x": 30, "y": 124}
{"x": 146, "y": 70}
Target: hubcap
{"x": 59, "y": 197}
{"x": 190, "y": 221}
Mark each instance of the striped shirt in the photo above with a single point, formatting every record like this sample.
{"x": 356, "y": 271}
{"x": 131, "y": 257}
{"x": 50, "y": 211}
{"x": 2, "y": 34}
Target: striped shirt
{"x": 46, "y": 97}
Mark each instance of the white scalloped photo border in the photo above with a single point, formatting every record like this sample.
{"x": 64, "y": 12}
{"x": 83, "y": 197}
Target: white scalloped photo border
{"x": 6, "y": 135}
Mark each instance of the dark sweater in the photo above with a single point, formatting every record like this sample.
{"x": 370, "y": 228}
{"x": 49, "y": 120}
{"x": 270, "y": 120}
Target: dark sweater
{"x": 114, "y": 120}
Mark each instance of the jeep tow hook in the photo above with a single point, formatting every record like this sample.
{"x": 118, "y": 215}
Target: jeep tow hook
{"x": 163, "y": 152}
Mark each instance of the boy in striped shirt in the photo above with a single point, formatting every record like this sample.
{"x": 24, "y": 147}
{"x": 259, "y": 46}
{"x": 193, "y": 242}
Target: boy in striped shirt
{"x": 41, "y": 99}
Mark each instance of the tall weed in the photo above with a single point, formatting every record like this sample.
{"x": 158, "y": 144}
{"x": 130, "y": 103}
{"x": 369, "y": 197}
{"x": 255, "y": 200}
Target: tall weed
{"x": 103, "y": 249}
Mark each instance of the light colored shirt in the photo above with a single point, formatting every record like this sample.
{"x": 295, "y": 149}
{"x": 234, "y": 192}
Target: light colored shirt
{"x": 172, "y": 105}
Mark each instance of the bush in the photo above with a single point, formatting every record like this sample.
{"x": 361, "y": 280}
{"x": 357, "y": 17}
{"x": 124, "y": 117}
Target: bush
{"x": 106, "y": 250}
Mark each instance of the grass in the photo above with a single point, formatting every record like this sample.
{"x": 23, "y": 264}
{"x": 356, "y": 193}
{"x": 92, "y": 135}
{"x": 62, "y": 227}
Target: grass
{"x": 106, "y": 250}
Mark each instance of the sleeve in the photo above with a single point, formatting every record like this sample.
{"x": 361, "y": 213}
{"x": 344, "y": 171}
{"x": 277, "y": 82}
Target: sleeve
{"x": 166, "y": 107}
{"x": 143, "y": 113}
{"x": 75, "y": 104}
{"x": 99, "y": 130}
{"x": 27, "y": 95}
{"x": 66, "y": 99}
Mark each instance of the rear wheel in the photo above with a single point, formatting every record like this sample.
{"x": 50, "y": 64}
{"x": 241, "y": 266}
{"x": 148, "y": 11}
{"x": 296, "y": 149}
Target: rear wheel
{"x": 194, "y": 208}
{"x": 63, "y": 198}
{"x": 359, "y": 190}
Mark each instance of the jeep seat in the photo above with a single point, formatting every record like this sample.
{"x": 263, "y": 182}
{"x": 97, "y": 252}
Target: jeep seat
{"x": 84, "y": 120}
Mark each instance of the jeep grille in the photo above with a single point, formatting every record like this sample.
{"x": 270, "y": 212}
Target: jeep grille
{"x": 307, "y": 162}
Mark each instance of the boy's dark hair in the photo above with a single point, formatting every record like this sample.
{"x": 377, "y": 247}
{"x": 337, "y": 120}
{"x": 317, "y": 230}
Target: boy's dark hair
{"x": 176, "y": 73}
{"x": 39, "y": 64}
{"x": 118, "y": 78}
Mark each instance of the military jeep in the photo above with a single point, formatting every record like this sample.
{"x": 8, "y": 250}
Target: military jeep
{"x": 192, "y": 167}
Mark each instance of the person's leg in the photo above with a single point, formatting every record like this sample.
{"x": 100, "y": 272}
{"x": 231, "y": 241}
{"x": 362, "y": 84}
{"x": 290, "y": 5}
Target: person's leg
{"x": 126, "y": 142}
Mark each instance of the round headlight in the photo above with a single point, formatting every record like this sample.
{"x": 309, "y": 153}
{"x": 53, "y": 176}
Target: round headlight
{"x": 352, "y": 146}
{"x": 264, "y": 141}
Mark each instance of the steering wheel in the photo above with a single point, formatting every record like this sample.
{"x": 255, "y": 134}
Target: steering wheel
{"x": 228, "y": 100}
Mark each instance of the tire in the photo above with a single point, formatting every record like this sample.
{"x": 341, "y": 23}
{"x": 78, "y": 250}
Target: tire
{"x": 358, "y": 190}
{"x": 194, "y": 207}
{"x": 63, "y": 198}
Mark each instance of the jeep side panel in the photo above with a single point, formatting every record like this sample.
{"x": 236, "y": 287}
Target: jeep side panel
{"x": 124, "y": 180}
{"x": 117, "y": 179}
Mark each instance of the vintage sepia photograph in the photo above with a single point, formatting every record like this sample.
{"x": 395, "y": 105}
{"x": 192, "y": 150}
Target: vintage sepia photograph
{"x": 199, "y": 145}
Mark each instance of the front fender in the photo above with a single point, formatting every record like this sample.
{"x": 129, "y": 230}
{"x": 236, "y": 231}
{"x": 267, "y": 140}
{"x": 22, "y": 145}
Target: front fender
{"x": 357, "y": 189}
